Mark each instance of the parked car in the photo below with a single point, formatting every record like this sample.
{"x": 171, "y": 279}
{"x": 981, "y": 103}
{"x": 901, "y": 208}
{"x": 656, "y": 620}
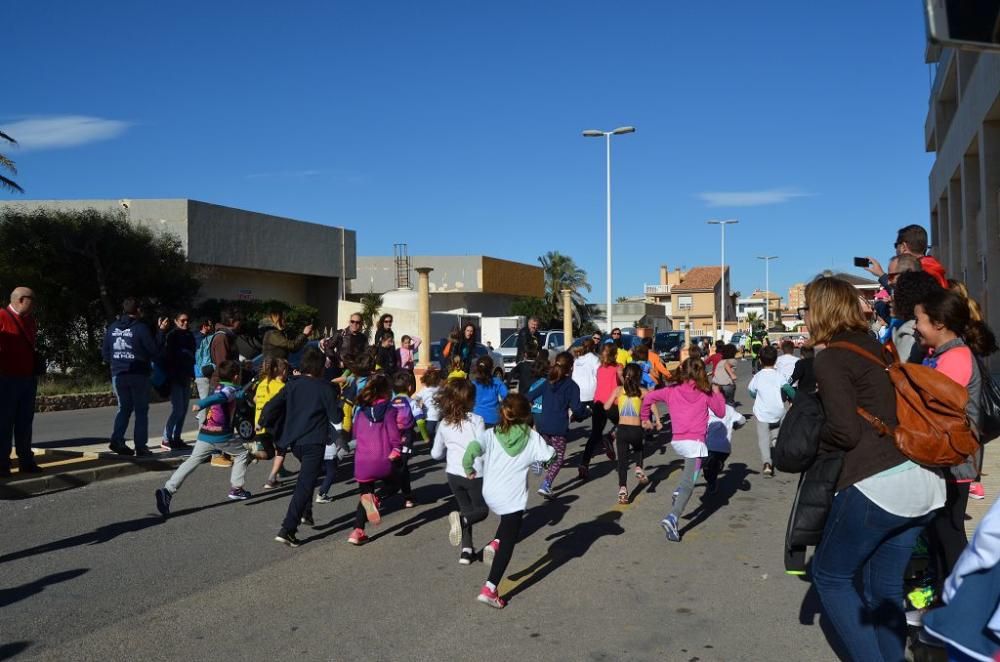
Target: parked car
{"x": 481, "y": 350}
{"x": 737, "y": 339}
{"x": 552, "y": 340}
{"x": 668, "y": 344}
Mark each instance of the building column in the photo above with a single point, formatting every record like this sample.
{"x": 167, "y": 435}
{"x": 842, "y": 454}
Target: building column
{"x": 957, "y": 233}
{"x": 989, "y": 176}
{"x": 423, "y": 320}
{"x": 567, "y": 300}
{"x": 971, "y": 201}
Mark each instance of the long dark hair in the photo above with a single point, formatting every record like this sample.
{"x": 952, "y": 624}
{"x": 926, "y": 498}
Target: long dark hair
{"x": 952, "y": 310}
{"x": 692, "y": 370}
{"x": 377, "y": 388}
{"x": 561, "y": 368}
{"x": 540, "y": 367}
{"x": 514, "y": 410}
{"x": 632, "y": 380}
{"x": 455, "y": 400}
{"x": 482, "y": 370}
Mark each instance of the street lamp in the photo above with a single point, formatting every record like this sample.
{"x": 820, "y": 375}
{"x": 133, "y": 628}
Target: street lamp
{"x": 722, "y": 292}
{"x": 594, "y": 133}
{"x": 767, "y": 289}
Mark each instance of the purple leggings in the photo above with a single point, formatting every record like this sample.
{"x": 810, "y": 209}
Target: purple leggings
{"x": 558, "y": 443}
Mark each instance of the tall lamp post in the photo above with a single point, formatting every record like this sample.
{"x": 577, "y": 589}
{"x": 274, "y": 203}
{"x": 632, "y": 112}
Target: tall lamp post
{"x": 767, "y": 288}
{"x": 722, "y": 292}
{"x": 594, "y": 133}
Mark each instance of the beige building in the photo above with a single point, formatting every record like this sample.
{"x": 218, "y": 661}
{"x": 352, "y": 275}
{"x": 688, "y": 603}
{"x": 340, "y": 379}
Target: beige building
{"x": 695, "y": 299}
{"x": 796, "y": 296}
{"x": 963, "y": 129}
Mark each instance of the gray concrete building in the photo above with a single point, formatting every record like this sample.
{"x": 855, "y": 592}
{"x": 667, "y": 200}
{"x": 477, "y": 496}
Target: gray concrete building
{"x": 963, "y": 130}
{"x": 475, "y": 283}
{"x": 243, "y": 254}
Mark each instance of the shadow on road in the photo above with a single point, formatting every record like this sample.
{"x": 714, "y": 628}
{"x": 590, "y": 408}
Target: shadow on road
{"x": 9, "y": 596}
{"x": 8, "y": 651}
{"x": 71, "y": 443}
{"x": 733, "y": 480}
{"x": 549, "y": 513}
{"x": 571, "y": 543}
{"x": 811, "y": 608}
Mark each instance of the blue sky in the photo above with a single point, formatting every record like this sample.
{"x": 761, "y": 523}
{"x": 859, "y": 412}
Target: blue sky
{"x": 455, "y": 126}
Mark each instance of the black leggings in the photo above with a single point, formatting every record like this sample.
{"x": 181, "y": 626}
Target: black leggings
{"x": 597, "y": 424}
{"x": 629, "y": 437}
{"x": 946, "y": 532}
{"x": 389, "y": 487}
{"x": 469, "y": 495}
{"x": 507, "y": 534}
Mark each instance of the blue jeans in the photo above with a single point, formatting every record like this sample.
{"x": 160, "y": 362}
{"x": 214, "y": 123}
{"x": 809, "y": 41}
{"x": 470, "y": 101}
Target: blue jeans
{"x": 132, "y": 392}
{"x": 180, "y": 396}
{"x": 861, "y": 537}
{"x": 17, "y": 411}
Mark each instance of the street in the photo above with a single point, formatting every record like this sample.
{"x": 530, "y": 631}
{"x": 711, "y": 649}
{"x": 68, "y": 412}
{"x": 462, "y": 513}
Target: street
{"x": 95, "y": 573}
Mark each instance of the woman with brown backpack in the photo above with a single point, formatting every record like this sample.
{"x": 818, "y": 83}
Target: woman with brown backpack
{"x": 882, "y": 499}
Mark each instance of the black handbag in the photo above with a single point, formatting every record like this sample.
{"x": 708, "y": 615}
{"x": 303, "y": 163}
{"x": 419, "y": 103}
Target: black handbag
{"x": 41, "y": 365}
{"x": 989, "y": 404}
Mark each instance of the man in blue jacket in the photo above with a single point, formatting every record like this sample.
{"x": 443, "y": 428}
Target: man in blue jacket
{"x": 130, "y": 347}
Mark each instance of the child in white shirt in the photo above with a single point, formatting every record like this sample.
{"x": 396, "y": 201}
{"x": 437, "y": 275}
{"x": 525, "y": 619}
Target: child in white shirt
{"x": 768, "y": 408}
{"x": 719, "y": 440}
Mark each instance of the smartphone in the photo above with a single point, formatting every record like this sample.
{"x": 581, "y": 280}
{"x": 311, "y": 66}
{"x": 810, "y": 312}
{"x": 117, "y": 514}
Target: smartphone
{"x": 862, "y": 262}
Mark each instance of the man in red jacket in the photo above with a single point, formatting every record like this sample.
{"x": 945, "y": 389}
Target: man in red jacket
{"x": 18, "y": 383}
{"x": 912, "y": 240}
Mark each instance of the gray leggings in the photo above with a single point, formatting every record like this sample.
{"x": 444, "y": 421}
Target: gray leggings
{"x": 202, "y": 451}
{"x": 765, "y": 439}
{"x": 692, "y": 468}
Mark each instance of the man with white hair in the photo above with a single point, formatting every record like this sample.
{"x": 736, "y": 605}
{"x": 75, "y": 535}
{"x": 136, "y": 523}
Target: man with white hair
{"x": 18, "y": 380}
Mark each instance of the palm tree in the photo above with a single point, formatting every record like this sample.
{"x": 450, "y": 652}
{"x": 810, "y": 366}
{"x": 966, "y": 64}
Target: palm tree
{"x": 753, "y": 318}
{"x": 7, "y": 164}
{"x": 561, "y": 273}
{"x": 371, "y": 303}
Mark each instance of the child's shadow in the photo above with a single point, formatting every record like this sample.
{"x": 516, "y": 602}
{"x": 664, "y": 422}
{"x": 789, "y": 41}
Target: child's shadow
{"x": 549, "y": 513}
{"x": 568, "y": 544}
{"x": 732, "y": 481}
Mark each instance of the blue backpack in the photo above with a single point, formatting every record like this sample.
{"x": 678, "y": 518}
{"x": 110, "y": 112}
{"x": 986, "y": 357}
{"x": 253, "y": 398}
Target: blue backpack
{"x": 203, "y": 356}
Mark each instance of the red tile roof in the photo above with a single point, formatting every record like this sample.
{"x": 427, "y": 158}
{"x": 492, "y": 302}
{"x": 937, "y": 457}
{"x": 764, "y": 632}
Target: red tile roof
{"x": 699, "y": 278}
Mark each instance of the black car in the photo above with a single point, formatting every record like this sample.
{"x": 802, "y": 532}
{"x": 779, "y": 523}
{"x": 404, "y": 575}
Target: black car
{"x": 668, "y": 344}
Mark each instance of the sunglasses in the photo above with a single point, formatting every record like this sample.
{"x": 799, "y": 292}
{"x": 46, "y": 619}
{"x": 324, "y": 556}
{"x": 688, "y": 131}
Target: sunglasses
{"x": 355, "y": 321}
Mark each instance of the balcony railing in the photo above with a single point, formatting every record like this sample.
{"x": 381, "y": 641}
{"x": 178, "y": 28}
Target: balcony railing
{"x": 656, "y": 289}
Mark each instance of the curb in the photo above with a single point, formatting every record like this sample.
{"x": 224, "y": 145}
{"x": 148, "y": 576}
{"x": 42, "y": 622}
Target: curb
{"x": 56, "y": 482}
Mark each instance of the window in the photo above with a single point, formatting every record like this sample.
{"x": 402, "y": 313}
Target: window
{"x": 684, "y": 302}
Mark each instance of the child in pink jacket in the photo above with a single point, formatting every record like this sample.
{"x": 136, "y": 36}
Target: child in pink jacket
{"x": 378, "y": 443}
{"x": 689, "y": 398}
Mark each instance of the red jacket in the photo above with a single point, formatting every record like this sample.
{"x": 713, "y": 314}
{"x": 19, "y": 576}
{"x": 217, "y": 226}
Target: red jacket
{"x": 930, "y": 264}
{"x": 17, "y": 353}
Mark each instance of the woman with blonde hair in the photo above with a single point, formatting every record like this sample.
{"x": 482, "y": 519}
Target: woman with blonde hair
{"x": 275, "y": 343}
{"x": 882, "y": 499}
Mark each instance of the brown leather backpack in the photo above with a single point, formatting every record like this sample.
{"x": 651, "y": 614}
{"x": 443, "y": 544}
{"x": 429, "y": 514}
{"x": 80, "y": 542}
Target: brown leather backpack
{"x": 933, "y": 429}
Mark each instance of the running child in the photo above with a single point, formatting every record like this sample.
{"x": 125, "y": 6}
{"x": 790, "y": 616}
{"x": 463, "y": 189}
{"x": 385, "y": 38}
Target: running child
{"x": 559, "y": 394}
{"x": 628, "y": 398}
{"x": 506, "y": 453}
{"x": 689, "y": 398}
{"x": 458, "y": 427}
{"x": 608, "y": 379}
{"x": 768, "y": 408}
{"x": 274, "y": 374}
{"x": 377, "y": 437}
{"x": 215, "y": 435}
{"x": 407, "y": 413}
{"x": 719, "y": 441}
{"x": 426, "y": 398}
{"x": 311, "y": 408}
{"x": 490, "y": 391}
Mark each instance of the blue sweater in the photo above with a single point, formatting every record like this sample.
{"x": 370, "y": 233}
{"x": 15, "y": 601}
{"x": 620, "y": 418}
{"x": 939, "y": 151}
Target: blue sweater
{"x": 129, "y": 346}
{"x": 557, "y": 399}
{"x": 488, "y": 400}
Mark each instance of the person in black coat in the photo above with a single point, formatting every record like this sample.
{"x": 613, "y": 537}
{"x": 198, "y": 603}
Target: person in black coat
{"x": 178, "y": 364}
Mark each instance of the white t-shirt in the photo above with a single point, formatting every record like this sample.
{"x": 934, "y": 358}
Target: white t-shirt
{"x": 785, "y": 366}
{"x": 505, "y": 478}
{"x": 767, "y": 406}
{"x": 719, "y": 436}
{"x": 426, "y": 398}
{"x": 585, "y": 375}
{"x": 452, "y": 440}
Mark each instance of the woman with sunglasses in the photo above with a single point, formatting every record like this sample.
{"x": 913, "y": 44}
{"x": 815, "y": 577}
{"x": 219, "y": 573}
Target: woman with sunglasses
{"x": 384, "y": 325}
{"x": 178, "y": 363}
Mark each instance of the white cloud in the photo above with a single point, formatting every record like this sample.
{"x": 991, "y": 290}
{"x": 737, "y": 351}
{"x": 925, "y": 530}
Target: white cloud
{"x": 62, "y": 131}
{"x": 750, "y": 198}
{"x": 295, "y": 174}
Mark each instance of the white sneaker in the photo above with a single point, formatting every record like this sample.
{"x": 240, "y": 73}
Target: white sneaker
{"x": 455, "y": 530}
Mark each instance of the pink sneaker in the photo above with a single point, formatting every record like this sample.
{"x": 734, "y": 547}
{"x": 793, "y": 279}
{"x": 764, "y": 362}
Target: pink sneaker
{"x": 976, "y": 491}
{"x": 357, "y": 537}
{"x": 370, "y": 504}
{"x": 491, "y": 598}
{"x": 490, "y": 551}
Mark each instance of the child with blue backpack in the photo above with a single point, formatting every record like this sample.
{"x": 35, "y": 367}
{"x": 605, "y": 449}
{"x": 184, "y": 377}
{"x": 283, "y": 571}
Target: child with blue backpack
{"x": 215, "y": 435}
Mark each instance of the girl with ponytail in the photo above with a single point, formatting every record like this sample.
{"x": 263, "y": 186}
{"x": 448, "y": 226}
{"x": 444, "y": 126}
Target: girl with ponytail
{"x": 559, "y": 394}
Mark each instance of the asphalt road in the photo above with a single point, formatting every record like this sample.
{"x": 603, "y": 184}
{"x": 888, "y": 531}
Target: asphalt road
{"x": 94, "y": 573}
{"x": 83, "y": 427}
